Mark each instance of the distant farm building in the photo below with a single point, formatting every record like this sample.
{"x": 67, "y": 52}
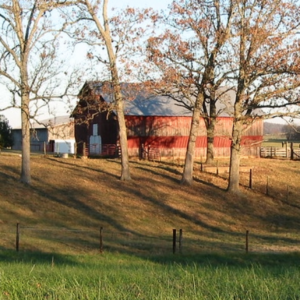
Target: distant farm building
{"x": 51, "y": 135}
{"x": 156, "y": 126}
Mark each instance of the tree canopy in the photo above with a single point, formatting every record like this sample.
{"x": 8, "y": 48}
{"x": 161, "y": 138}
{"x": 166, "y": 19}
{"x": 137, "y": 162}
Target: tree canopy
{"x": 31, "y": 66}
{"x": 6, "y": 139}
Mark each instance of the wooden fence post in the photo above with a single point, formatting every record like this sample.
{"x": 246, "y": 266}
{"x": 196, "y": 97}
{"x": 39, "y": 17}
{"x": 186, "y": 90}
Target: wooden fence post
{"x": 250, "y": 179}
{"x": 180, "y": 240}
{"x": 75, "y": 150}
{"x": 271, "y": 151}
{"x": 247, "y": 241}
{"x": 101, "y": 240}
{"x": 174, "y": 241}
{"x": 18, "y": 237}
{"x": 84, "y": 150}
{"x": 292, "y": 151}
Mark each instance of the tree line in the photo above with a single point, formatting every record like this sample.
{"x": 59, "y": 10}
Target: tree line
{"x": 194, "y": 52}
{"x": 6, "y": 139}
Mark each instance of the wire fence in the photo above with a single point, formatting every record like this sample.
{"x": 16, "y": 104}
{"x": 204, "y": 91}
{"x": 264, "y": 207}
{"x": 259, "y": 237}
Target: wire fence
{"x": 276, "y": 152}
{"x": 179, "y": 241}
{"x": 268, "y": 185}
{"x": 35, "y": 238}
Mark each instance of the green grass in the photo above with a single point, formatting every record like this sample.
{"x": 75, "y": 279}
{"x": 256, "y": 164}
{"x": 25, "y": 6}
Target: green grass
{"x": 116, "y": 276}
{"x": 61, "y": 214}
{"x": 278, "y": 142}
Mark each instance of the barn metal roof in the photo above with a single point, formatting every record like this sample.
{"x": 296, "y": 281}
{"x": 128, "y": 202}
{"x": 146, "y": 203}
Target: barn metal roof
{"x": 52, "y": 122}
{"x": 140, "y": 103}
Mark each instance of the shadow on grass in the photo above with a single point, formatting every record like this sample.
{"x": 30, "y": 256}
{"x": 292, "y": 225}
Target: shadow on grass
{"x": 13, "y": 171}
{"x": 167, "y": 208}
{"x": 73, "y": 167}
{"x": 70, "y": 199}
{"x": 237, "y": 260}
{"x": 152, "y": 172}
{"x": 33, "y": 257}
{"x": 169, "y": 167}
{"x": 204, "y": 259}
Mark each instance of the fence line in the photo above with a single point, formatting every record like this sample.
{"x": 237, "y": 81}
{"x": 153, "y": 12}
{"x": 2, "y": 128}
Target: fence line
{"x": 27, "y": 238}
{"x": 283, "y": 152}
{"x": 178, "y": 242}
{"x": 272, "y": 188}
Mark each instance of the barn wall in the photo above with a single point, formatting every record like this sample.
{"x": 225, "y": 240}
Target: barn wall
{"x": 107, "y": 129}
{"x": 180, "y": 126}
{"x": 38, "y": 137}
{"x": 169, "y": 136}
{"x": 81, "y": 136}
{"x": 161, "y": 126}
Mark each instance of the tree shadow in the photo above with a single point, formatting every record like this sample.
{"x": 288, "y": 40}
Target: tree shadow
{"x": 33, "y": 257}
{"x": 232, "y": 260}
{"x": 99, "y": 216}
{"x": 73, "y": 167}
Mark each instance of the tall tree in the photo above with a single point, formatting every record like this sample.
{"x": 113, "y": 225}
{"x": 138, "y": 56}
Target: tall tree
{"x": 29, "y": 67}
{"x": 188, "y": 56}
{"x": 265, "y": 65}
{"x": 116, "y": 35}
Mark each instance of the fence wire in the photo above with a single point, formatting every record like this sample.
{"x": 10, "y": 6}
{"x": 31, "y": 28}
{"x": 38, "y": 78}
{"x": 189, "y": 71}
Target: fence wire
{"x": 62, "y": 240}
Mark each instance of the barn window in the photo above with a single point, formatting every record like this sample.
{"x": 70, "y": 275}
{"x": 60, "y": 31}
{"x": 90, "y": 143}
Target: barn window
{"x": 95, "y": 129}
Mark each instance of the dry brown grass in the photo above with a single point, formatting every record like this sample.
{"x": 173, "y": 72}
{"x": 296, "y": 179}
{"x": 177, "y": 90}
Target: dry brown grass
{"x": 71, "y": 198}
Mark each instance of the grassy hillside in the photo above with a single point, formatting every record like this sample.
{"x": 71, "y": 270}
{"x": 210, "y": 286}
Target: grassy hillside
{"x": 70, "y": 199}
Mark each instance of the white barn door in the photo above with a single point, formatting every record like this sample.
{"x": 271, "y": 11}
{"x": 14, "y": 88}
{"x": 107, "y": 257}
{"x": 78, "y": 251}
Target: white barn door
{"x": 95, "y": 142}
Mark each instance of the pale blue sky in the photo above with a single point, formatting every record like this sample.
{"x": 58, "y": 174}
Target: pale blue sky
{"x": 156, "y": 4}
{"x": 14, "y": 116}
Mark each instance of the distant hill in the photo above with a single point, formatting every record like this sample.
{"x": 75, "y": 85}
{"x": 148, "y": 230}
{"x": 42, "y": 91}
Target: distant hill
{"x": 273, "y": 128}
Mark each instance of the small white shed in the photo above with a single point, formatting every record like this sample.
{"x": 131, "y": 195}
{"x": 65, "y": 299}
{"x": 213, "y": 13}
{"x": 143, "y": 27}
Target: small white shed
{"x": 64, "y": 146}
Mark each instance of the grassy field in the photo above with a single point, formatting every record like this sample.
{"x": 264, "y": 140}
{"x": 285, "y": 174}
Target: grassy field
{"x": 119, "y": 276}
{"x": 70, "y": 199}
{"x": 278, "y": 140}
{"x": 60, "y": 216}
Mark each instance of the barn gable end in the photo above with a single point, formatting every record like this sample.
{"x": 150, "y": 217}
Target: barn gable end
{"x": 154, "y": 124}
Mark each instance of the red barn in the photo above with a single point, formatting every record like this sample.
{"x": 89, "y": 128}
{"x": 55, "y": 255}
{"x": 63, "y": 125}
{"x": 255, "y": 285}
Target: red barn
{"x": 156, "y": 125}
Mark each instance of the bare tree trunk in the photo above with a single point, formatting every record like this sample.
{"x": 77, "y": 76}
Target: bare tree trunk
{"x": 125, "y": 173}
{"x": 187, "y": 176}
{"x": 234, "y": 172}
{"x": 106, "y": 34}
{"x": 211, "y": 132}
{"x": 210, "y": 147}
{"x": 25, "y": 169}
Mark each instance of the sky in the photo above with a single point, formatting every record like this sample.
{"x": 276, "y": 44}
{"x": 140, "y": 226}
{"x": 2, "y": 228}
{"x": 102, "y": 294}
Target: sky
{"x": 14, "y": 115}
{"x": 155, "y": 4}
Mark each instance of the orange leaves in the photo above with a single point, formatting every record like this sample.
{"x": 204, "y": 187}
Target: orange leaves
{"x": 154, "y": 18}
{"x": 43, "y": 55}
{"x": 90, "y": 55}
{"x": 178, "y": 9}
{"x": 130, "y": 11}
